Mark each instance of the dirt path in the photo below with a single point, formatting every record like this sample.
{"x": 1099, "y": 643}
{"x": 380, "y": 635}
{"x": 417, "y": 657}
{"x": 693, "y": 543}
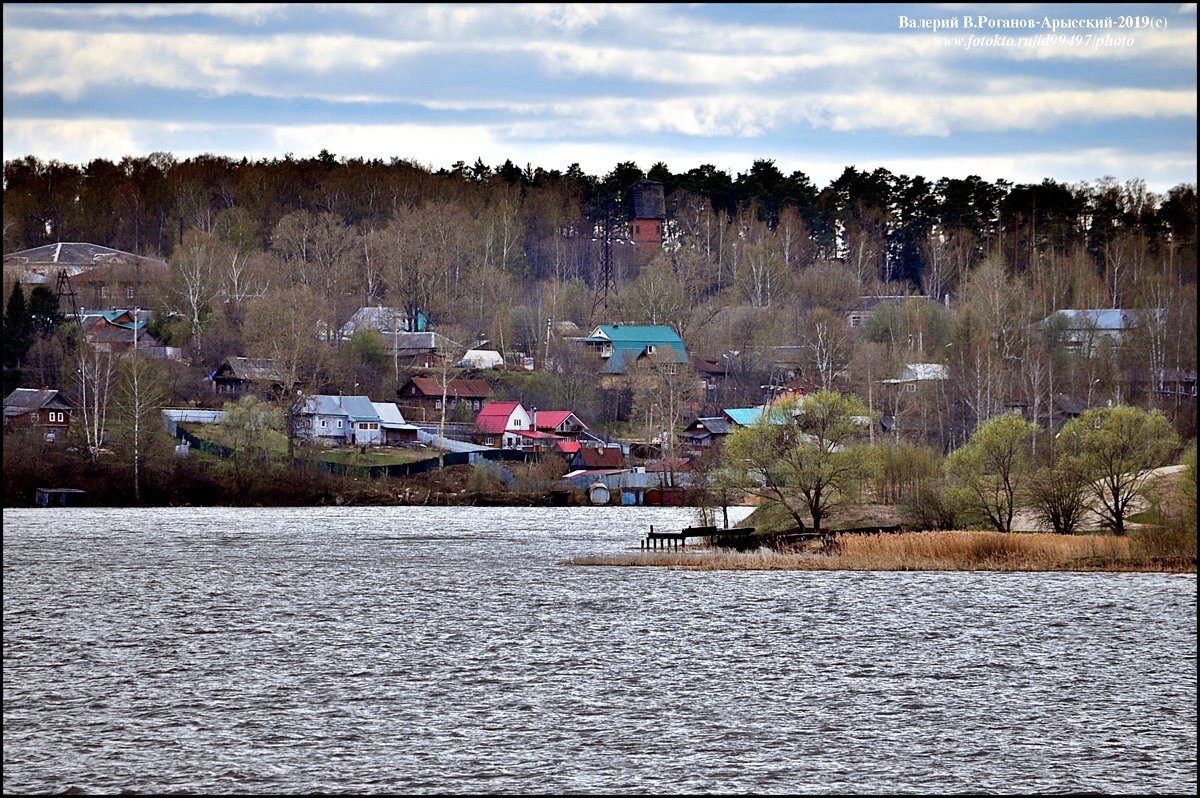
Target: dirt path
{"x": 1025, "y": 520}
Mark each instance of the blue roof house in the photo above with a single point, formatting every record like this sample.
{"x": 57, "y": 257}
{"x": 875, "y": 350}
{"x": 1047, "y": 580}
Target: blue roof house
{"x": 1084, "y": 330}
{"x": 339, "y": 420}
{"x": 624, "y": 346}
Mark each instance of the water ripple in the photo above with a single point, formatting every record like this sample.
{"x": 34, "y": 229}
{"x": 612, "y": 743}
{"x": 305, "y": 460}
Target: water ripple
{"x": 449, "y": 650}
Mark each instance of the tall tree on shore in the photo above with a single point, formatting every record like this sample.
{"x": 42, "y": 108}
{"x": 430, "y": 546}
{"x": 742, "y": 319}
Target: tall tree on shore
{"x": 992, "y": 467}
{"x": 805, "y": 455}
{"x": 1117, "y": 449}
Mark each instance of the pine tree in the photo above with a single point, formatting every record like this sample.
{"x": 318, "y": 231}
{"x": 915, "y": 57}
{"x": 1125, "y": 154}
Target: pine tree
{"x": 18, "y": 328}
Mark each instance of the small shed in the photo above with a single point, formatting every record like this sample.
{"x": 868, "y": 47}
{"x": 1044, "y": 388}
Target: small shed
{"x": 60, "y": 497}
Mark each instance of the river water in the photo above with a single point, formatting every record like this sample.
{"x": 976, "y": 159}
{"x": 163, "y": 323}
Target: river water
{"x": 453, "y": 650}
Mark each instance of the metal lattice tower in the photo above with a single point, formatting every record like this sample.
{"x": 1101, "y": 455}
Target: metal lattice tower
{"x": 606, "y": 281}
{"x": 63, "y": 288}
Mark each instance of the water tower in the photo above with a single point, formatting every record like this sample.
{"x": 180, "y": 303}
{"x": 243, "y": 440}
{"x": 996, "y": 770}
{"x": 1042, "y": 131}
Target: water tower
{"x": 647, "y": 212}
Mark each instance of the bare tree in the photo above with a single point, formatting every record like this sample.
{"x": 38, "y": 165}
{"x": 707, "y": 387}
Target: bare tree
{"x": 196, "y": 280}
{"x": 828, "y": 344}
{"x": 94, "y": 376}
{"x": 140, "y": 399}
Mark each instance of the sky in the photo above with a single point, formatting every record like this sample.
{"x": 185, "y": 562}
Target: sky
{"x": 1020, "y": 92}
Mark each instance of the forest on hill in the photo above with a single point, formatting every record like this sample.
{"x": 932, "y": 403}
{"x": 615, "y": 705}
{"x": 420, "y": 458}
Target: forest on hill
{"x": 263, "y": 252}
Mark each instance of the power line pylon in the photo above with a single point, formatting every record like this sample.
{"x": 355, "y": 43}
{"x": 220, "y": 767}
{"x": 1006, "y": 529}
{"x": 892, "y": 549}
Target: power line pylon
{"x": 606, "y": 281}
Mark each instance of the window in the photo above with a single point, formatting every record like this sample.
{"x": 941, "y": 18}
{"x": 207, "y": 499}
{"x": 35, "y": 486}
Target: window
{"x": 104, "y": 291}
{"x": 490, "y": 440}
{"x": 911, "y": 387}
{"x": 129, "y": 293}
{"x": 437, "y": 404}
{"x": 855, "y": 320}
{"x": 517, "y": 423}
{"x": 339, "y": 423}
{"x": 324, "y": 423}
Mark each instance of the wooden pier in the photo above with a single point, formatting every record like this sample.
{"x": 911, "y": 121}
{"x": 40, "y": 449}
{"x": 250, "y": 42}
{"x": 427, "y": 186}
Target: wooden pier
{"x": 745, "y": 538}
{"x": 676, "y": 540}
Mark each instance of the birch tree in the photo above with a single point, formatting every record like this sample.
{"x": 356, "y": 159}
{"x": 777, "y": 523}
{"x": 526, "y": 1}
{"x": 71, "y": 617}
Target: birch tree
{"x": 94, "y": 377}
{"x": 140, "y": 398}
{"x": 195, "y": 278}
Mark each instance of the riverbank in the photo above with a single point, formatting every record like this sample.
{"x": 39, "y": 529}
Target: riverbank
{"x": 1146, "y": 550}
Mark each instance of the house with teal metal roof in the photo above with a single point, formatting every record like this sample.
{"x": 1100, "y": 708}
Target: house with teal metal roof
{"x": 622, "y": 346}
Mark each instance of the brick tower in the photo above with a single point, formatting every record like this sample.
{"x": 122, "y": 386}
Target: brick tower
{"x": 647, "y": 213}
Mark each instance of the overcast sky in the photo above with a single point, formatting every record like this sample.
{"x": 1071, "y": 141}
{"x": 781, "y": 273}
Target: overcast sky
{"x": 814, "y": 88}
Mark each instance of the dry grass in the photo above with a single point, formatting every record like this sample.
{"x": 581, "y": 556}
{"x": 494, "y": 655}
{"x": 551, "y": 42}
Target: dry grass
{"x": 933, "y": 551}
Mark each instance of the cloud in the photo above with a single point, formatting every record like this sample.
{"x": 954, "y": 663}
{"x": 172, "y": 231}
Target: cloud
{"x": 689, "y": 82}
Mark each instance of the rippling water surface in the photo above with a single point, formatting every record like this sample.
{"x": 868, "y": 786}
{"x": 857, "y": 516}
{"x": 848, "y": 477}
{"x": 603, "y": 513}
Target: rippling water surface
{"x": 451, "y": 650}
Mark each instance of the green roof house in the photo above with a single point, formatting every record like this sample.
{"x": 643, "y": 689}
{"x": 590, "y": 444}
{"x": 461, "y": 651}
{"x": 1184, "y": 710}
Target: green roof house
{"x": 622, "y": 345}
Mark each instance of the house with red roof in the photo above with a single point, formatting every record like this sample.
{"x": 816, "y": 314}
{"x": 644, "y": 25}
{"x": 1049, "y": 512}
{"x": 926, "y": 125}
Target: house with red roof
{"x": 502, "y": 425}
{"x": 563, "y": 423}
{"x": 420, "y": 398}
{"x": 508, "y": 425}
{"x": 593, "y": 458}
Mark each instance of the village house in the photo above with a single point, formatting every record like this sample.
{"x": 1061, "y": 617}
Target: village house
{"x": 88, "y": 275}
{"x": 868, "y": 306}
{"x": 385, "y": 321}
{"x": 1086, "y": 331}
{"x": 562, "y": 423}
{"x": 599, "y": 458}
{"x": 44, "y": 409}
{"x": 508, "y": 425}
{"x": 916, "y": 403}
{"x": 240, "y": 376}
{"x": 705, "y": 432}
{"x": 420, "y": 398}
{"x": 121, "y": 331}
{"x": 417, "y": 350}
{"x": 337, "y": 420}
{"x": 626, "y": 348}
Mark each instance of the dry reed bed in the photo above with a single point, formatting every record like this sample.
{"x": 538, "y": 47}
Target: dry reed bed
{"x": 924, "y": 551}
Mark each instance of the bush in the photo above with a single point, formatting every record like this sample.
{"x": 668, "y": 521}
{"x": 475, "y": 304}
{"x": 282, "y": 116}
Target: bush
{"x": 932, "y": 506}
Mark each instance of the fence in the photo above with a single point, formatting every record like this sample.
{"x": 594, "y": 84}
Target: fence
{"x": 377, "y": 471}
{"x": 429, "y": 464}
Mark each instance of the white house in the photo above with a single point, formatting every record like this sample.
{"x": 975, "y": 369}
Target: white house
{"x": 915, "y": 373}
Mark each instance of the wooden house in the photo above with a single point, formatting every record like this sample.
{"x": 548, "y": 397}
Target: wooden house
{"x": 44, "y": 409}
{"x": 420, "y": 398}
{"x": 238, "y": 376}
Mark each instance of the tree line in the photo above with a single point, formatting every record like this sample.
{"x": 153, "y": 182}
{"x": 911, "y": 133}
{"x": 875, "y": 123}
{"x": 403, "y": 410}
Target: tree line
{"x": 882, "y": 221}
{"x": 754, "y": 266}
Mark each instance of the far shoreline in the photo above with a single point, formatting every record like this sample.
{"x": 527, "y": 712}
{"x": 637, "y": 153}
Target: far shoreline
{"x": 1151, "y": 550}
